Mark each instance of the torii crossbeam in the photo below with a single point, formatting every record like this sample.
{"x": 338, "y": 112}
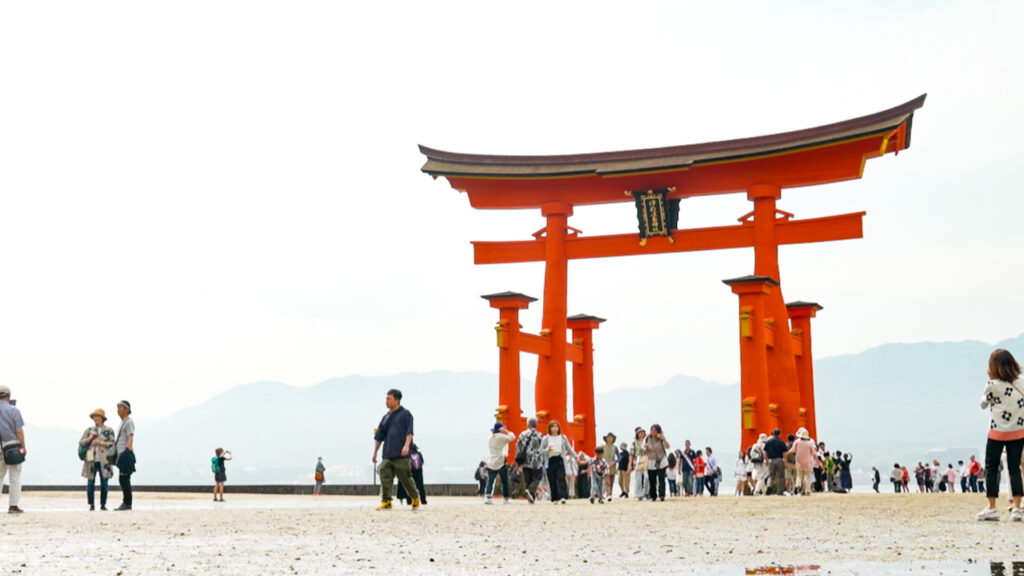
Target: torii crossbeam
{"x": 777, "y": 382}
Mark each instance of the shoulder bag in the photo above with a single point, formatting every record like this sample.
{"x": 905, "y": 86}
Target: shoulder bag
{"x": 14, "y": 453}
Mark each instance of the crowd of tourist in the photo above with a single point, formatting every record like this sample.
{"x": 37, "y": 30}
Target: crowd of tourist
{"x": 649, "y": 467}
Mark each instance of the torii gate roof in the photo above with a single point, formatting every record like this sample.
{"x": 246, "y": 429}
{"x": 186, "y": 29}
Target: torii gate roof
{"x": 830, "y": 153}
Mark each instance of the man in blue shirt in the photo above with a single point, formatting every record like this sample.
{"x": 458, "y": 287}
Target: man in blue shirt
{"x": 395, "y": 433}
{"x": 774, "y": 451}
{"x": 11, "y": 432}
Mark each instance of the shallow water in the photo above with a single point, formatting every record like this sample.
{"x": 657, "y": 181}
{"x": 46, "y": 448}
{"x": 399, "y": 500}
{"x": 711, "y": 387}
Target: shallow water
{"x": 970, "y": 568}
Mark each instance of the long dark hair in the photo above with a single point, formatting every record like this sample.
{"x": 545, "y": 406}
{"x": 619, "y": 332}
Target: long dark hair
{"x": 1003, "y": 366}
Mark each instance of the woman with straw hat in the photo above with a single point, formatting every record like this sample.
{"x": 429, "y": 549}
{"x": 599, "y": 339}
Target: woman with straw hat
{"x": 96, "y": 441}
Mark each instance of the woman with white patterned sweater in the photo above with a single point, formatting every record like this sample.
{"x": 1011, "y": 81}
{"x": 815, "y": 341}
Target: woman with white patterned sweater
{"x": 1004, "y": 396}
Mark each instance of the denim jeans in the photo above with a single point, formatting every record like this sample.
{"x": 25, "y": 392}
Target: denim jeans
{"x": 503, "y": 474}
{"x": 97, "y": 468}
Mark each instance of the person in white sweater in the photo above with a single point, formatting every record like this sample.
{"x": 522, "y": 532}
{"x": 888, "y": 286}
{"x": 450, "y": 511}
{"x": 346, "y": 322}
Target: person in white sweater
{"x": 1004, "y": 396}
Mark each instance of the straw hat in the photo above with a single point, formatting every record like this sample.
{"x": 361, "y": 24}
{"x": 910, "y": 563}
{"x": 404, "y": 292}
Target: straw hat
{"x": 99, "y": 412}
{"x": 802, "y": 433}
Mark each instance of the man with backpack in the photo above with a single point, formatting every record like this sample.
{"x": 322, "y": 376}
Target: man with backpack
{"x": 530, "y": 458}
{"x": 757, "y": 460}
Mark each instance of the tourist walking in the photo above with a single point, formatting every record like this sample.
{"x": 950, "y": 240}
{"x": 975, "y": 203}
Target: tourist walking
{"x": 639, "y": 462}
{"x": 97, "y": 443}
{"x": 739, "y": 473}
{"x": 699, "y": 468}
{"x": 774, "y": 450}
{"x": 497, "y": 461}
{"x": 896, "y": 476}
{"x": 220, "y": 473}
{"x": 125, "y": 443}
{"x": 672, "y": 474}
{"x": 571, "y": 471}
{"x": 657, "y": 452}
{"x": 876, "y": 479}
{"x": 530, "y": 456}
{"x": 598, "y": 469}
{"x": 395, "y": 433}
{"x": 1003, "y": 396}
{"x": 12, "y": 440}
{"x": 804, "y": 454}
{"x": 609, "y": 455}
{"x": 557, "y": 448}
{"x": 760, "y": 464}
{"x": 974, "y": 471}
{"x": 318, "y": 475}
{"x": 711, "y": 471}
{"x": 686, "y": 458}
{"x": 623, "y": 464}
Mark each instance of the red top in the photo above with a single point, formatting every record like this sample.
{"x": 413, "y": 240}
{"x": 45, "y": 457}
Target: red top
{"x": 698, "y": 466}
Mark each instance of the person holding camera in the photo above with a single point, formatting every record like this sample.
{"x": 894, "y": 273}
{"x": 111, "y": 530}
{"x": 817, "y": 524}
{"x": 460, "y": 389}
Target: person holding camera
{"x": 220, "y": 474}
{"x": 97, "y": 441}
{"x": 125, "y": 454}
{"x": 12, "y": 435}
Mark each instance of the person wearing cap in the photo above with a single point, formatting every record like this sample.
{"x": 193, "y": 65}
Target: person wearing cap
{"x": 98, "y": 440}
{"x": 125, "y": 454}
{"x": 533, "y": 467}
{"x": 497, "y": 461}
{"x": 608, "y": 453}
{"x": 623, "y": 466}
{"x": 806, "y": 453}
{"x": 11, "y": 432}
{"x": 395, "y": 433}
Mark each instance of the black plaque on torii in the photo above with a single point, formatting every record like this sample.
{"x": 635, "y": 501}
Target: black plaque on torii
{"x": 656, "y": 213}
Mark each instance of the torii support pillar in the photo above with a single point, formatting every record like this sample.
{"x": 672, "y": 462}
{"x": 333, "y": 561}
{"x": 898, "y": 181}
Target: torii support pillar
{"x": 583, "y": 327}
{"x": 758, "y": 412}
{"x": 510, "y": 409}
{"x": 800, "y": 314}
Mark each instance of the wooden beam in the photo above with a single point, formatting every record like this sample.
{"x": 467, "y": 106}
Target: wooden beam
{"x": 829, "y": 228}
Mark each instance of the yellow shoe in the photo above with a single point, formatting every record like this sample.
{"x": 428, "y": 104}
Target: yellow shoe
{"x": 415, "y": 504}
{"x": 386, "y": 505}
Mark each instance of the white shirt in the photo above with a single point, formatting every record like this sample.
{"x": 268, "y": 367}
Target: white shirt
{"x": 497, "y": 448}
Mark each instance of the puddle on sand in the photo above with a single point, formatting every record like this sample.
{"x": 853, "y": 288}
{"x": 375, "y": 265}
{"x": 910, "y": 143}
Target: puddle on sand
{"x": 969, "y": 568}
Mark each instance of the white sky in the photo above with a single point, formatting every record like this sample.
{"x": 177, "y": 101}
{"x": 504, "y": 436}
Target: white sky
{"x": 197, "y": 195}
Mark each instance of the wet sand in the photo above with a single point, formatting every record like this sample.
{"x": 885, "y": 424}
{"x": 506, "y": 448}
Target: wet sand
{"x": 250, "y": 534}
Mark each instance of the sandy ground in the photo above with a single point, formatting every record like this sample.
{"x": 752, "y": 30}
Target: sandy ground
{"x": 248, "y": 534}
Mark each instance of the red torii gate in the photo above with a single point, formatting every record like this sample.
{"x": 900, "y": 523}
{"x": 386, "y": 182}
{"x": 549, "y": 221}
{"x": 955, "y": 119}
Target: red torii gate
{"x": 777, "y": 377}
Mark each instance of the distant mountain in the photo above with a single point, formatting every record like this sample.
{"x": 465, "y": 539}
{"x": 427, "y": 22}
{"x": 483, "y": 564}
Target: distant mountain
{"x": 894, "y": 403}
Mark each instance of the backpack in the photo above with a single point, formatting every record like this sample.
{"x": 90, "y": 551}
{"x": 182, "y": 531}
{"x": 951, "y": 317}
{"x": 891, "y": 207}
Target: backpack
{"x": 214, "y": 465}
{"x": 757, "y": 454}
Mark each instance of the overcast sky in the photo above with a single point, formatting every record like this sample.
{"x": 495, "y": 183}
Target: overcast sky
{"x": 197, "y": 195}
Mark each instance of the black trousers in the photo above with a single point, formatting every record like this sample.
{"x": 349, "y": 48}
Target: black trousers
{"x": 993, "y": 452}
{"x": 531, "y": 477}
{"x": 125, "y": 480}
{"x": 556, "y": 479}
{"x": 656, "y": 481}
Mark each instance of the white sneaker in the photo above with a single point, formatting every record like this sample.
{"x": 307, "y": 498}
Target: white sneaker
{"x": 488, "y": 500}
{"x": 988, "y": 514}
{"x": 507, "y": 501}
{"x": 1016, "y": 515}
